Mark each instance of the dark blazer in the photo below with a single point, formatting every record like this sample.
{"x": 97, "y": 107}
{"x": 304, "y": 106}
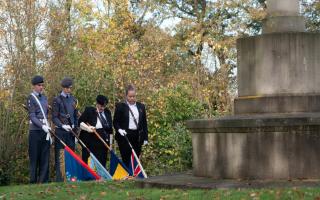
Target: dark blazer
{"x": 59, "y": 113}
{"x": 90, "y": 116}
{"x": 121, "y": 119}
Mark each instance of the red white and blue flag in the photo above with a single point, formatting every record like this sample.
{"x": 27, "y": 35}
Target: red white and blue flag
{"x": 135, "y": 168}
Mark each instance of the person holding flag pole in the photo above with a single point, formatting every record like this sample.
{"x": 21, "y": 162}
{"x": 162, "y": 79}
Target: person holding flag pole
{"x": 101, "y": 119}
{"x": 135, "y": 167}
{"x": 39, "y": 136}
{"x": 130, "y": 123}
{"x": 65, "y": 118}
{"x": 99, "y": 168}
{"x": 118, "y": 169}
{"x": 76, "y": 169}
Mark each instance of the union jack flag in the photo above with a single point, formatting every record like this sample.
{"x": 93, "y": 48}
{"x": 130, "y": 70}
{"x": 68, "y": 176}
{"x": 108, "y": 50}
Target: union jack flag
{"x": 135, "y": 168}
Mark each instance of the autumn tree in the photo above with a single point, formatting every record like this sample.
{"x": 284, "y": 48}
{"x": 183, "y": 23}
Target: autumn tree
{"x": 182, "y": 72}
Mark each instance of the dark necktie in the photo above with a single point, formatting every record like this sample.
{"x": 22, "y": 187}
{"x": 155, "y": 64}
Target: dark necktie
{"x": 104, "y": 122}
{"x": 39, "y": 95}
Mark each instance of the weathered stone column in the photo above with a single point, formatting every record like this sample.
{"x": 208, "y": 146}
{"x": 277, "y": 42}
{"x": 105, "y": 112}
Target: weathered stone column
{"x": 278, "y": 72}
{"x": 283, "y": 16}
{"x": 283, "y": 7}
{"x": 275, "y": 130}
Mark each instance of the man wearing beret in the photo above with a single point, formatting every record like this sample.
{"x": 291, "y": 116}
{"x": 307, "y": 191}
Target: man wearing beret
{"x": 39, "y": 138}
{"x": 98, "y": 118}
{"x": 65, "y": 119}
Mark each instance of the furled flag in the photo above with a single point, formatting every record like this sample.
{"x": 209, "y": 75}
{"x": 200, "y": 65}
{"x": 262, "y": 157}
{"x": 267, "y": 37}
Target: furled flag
{"x": 97, "y": 167}
{"x": 118, "y": 170}
{"x": 76, "y": 169}
{"x": 135, "y": 167}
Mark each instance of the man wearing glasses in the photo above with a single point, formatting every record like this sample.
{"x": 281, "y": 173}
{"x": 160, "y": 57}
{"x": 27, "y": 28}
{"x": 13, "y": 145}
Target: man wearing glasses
{"x": 39, "y": 142}
{"x": 65, "y": 119}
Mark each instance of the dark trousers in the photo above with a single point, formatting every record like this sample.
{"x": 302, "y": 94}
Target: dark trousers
{"x": 68, "y": 139}
{"x": 125, "y": 149}
{"x": 95, "y": 145}
{"x": 39, "y": 155}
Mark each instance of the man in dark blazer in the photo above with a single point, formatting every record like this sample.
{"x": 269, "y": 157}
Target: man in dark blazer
{"x": 130, "y": 120}
{"x": 65, "y": 119}
{"x": 99, "y": 118}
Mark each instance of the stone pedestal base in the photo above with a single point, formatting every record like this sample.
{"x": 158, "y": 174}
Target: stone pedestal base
{"x": 279, "y": 24}
{"x": 302, "y": 103}
{"x": 257, "y": 147}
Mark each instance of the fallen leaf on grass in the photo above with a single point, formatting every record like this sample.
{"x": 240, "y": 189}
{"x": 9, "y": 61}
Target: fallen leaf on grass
{"x": 253, "y": 194}
{"x": 74, "y": 186}
{"x": 83, "y": 197}
{"x": 103, "y": 193}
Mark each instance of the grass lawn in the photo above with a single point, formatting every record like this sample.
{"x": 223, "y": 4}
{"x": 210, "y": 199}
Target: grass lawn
{"x": 128, "y": 190}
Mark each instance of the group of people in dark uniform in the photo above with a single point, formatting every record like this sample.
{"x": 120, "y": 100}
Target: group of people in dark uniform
{"x": 129, "y": 121}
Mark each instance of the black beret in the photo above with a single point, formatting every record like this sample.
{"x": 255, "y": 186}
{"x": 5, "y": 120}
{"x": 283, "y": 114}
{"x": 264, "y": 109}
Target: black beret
{"x": 102, "y": 100}
{"x": 36, "y": 80}
{"x": 66, "y": 82}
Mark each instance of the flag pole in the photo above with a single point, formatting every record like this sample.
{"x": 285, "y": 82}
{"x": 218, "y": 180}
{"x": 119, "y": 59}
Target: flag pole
{"x": 81, "y": 143}
{"x": 64, "y": 144}
{"x": 136, "y": 157}
{"x": 107, "y": 146}
{"x": 26, "y": 108}
{"x": 100, "y": 138}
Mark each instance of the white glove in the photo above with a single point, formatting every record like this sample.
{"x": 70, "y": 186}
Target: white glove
{"x": 145, "y": 142}
{"x": 46, "y": 128}
{"x": 66, "y": 127}
{"x": 122, "y": 132}
{"x": 85, "y": 127}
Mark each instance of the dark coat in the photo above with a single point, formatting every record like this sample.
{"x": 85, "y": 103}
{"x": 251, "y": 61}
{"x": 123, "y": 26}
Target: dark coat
{"x": 59, "y": 113}
{"x": 89, "y": 116}
{"x": 121, "y": 119}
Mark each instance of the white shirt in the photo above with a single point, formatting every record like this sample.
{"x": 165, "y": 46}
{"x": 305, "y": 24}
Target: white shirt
{"x": 65, "y": 94}
{"x": 36, "y": 93}
{"x": 99, "y": 124}
{"x": 134, "y": 108}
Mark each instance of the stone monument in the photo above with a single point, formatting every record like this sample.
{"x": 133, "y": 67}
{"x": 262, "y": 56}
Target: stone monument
{"x": 275, "y": 130}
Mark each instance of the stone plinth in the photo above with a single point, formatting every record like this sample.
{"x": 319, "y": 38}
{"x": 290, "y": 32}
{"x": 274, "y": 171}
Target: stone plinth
{"x": 284, "y": 24}
{"x": 279, "y": 91}
{"x": 278, "y": 73}
{"x": 257, "y": 147}
{"x": 283, "y": 16}
{"x": 277, "y": 104}
{"x": 279, "y": 63}
{"x": 283, "y": 7}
